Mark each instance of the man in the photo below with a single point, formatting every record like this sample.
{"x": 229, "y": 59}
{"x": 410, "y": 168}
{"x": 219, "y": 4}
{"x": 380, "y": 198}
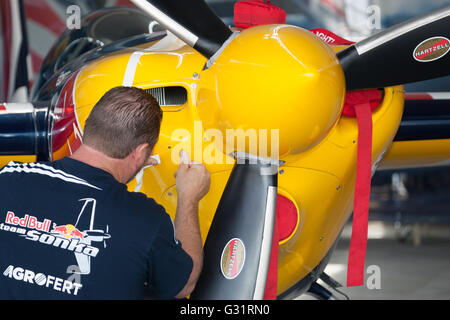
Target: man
{"x": 71, "y": 230}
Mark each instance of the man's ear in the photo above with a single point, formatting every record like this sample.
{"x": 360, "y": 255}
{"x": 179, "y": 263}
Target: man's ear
{"x": 141, "y": 154}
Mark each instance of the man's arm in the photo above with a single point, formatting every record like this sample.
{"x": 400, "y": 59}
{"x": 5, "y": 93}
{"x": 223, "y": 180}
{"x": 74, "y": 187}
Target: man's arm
{"x": 188, "y": 232}
{"x": 193, "y": 181}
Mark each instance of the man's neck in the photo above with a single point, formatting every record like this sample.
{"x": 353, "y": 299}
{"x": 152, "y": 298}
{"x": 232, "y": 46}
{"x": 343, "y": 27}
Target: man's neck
{"x": 99, "y": 160}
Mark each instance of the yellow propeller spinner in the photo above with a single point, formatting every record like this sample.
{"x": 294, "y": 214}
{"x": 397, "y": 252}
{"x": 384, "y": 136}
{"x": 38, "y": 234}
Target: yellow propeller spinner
{"x": 291, "y": 81}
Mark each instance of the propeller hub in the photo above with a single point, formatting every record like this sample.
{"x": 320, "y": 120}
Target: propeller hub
{"x": 274, "y": 77}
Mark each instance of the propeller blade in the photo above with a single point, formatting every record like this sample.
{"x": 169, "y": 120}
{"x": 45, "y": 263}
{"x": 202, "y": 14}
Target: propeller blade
{"x": 192, "y": 21}
{"x": 412, "y": 51}
{"x": 238, "y": 247}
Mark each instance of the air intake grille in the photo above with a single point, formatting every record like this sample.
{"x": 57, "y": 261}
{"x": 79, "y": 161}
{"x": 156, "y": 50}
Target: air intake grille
{"x": 169, "y": 96}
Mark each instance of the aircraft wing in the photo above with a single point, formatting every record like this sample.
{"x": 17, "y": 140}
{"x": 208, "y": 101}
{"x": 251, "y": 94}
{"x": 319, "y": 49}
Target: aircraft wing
{"x": 423, "y": 138}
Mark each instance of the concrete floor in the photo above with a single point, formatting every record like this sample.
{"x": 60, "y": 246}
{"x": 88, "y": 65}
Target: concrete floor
{"x": 416, "y": 268}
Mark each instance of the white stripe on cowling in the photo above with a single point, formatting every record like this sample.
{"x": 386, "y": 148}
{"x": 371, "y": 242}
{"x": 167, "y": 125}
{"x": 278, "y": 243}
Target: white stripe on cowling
{"x": 169, "y": 43}
{"x": 131, "y": 68}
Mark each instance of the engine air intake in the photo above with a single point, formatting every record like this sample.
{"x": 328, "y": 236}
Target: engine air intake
{"x": 169, "y": 96}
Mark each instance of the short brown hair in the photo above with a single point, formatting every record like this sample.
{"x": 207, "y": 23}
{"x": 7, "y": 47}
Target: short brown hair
{"x": 123, "y": 119}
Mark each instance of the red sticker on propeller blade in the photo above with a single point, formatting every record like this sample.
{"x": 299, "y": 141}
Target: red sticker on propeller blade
{"x": 432, "y": 49}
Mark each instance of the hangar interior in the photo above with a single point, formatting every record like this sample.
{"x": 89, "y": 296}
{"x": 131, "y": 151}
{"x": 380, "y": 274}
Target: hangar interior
{"x": 408, "y": 251}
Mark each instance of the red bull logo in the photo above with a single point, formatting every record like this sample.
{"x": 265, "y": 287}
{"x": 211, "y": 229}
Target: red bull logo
{"x": 27, "y": 221}
{"x": 67, "y": 237}
{"x": 68, "y": 231}
{"x": 60, "y": 229}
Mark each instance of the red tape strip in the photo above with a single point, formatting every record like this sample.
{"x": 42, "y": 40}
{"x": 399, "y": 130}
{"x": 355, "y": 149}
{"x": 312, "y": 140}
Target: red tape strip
{"x": 358, "y": 242}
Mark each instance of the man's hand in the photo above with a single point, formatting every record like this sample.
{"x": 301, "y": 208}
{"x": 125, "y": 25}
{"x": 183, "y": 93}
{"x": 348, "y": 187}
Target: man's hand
{"x": 192, "y": 180}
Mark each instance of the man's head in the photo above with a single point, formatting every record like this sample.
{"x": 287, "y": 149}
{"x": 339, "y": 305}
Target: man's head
{"x": 124, "y": 124}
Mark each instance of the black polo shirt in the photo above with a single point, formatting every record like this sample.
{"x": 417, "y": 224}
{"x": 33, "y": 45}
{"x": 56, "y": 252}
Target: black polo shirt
{"x": 71, "y": 231}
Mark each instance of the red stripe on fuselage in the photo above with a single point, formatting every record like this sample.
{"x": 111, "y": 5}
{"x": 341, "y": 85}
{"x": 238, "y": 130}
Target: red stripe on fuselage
{"x": 418, "y": 96}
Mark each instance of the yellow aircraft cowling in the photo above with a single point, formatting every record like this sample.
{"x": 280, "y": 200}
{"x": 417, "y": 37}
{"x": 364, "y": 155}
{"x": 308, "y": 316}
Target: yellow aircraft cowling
{"x": 320, "y": 180}
{"x": 325, "y": 197}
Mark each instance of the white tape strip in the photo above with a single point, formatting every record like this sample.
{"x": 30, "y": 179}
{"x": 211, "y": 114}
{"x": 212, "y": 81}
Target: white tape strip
{"x": 131, "y": 68}
{"x": 140, "y": 175}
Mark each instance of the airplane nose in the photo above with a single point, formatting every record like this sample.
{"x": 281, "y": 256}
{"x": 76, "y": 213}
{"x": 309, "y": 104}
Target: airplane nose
{"x": 274, "y": 77}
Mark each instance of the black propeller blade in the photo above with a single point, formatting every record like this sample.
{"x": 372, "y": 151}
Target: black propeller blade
{"x": 238, "y": 247}
{"x": 192, "y": 21}
{"x": 415, "y": 50}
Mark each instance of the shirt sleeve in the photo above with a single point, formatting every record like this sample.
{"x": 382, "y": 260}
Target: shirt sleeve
{"x": 170, "y": 265}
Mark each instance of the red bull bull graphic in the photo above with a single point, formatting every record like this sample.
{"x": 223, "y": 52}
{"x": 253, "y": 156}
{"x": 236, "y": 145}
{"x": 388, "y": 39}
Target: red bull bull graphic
{"x": 77, "y": 234}
{"x": 68, "y": 231}
{"x": 59, "y": 229}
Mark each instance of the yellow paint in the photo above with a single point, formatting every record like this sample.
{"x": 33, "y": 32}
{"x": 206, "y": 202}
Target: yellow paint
{"x": 415, "y": 154}
{"x": 4, "y": 160}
